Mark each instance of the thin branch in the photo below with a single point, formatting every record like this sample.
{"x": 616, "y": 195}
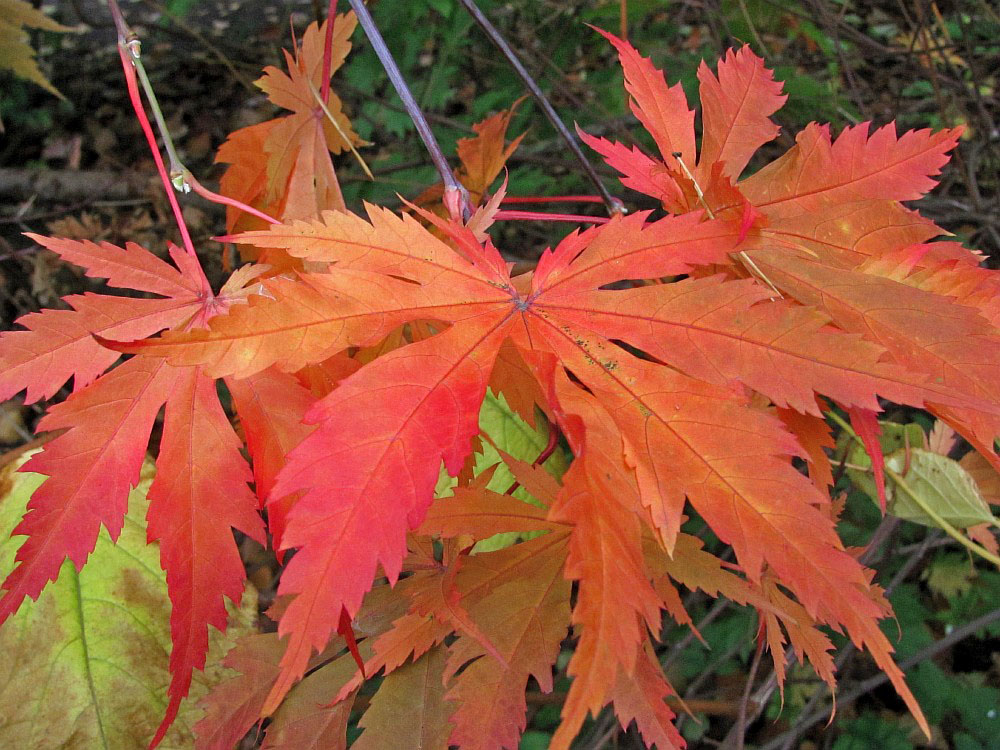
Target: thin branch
{"x": 741, "y": 717}
{"x": 456, "y": 196}
{"x": 129, "y": 51}
{"x": 552, "y": 199}
{"x": 759, "y": 700}
{"x": 613, "y": 205}
{"x": 865, "y": 687}
{"x": 509, "y": 215}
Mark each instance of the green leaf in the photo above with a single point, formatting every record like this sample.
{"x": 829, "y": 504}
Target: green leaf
{"x": 85, "y": 666}
{"x": 935, "y": 690}
{"x": 514, "y": 436}
{"x": 535, "y": 740}
{"x": 409, "y": 703}
{"x": 870, "y": 731}
{"x": 522, "y": 441}
{"x": 939, "y": 482}
{"x": 910, "y": 632}
{"x": 950, "y": 575}
{"x": 980, "y": 711}
{"x": 894, "y": 437}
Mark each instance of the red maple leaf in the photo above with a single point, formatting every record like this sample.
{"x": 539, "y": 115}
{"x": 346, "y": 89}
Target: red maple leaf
{"x": 200, "y": 491}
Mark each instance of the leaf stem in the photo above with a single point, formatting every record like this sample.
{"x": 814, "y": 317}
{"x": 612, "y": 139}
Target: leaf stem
{"x": 547, "y": 451}
{"x": 321, "y": 101}
{"x": 747, "y": 260}
{"x": 180, "y": 177}
{"x": 552, "y": 199}
{"x": 613, "y": 204}
{"x": 214, "y": 197}
{"x": 128, "y": 51}
{"x": 456, "y": 197}
{"x": 128, "y": 41}
{"x": 331, "y": 16}
{"x": 514, "y": 215}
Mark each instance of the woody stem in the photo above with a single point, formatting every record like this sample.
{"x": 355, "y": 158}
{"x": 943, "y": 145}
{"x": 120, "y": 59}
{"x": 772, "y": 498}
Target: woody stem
{"x": 460, "y": 209}
{"x": 128, "y": 51}
{"x": 613, "y": 205}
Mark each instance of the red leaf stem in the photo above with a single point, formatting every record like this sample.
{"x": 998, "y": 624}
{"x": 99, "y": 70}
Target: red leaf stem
{"x": 544, "y": 216}
{"x": 553, "y": 199}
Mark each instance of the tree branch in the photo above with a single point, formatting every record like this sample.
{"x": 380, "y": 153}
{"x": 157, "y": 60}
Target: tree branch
{"x": 928, "y": 652}
{"x": 614, "y": 205}
{"x": 456, "y": 196}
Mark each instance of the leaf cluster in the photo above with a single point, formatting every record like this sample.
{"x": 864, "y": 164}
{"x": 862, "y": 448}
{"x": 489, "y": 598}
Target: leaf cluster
{"x": 666, "y": 364}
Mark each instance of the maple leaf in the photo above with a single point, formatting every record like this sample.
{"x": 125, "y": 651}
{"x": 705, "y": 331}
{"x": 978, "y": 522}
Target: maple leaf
{"x": 298, "y": 146}
{"x": 481, "y": 160}
{"x": 825, "y": 208}
{"x": 271, "y": 406}
{"x": 107, "y": 425}
{"x": 813, "y": 179}
{"x": 59, "y": 344}
{"x": 245, "y": 179}
{"x": 310, "y": 719}
{"x": 519, "y": 600}
{"x": 410, "y": 703}
{"x": 16, "y": 54}
{"x": 233, "y": 707}
{"x": 615, "y": 602}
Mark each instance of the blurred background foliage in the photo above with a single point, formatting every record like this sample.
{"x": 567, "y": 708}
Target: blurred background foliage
{"x": 925, "y": 64}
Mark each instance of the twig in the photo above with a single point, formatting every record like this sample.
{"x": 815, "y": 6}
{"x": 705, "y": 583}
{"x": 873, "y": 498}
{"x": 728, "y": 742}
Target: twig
{"x": 129, "y": 51}
{"x": 551, "y": 199}
{"x": 924, "y": 654}
{"x": 676, "y": 649}
{"x": 69, "y": 185}
{"x": 456, "y": 196}
{"x": 741, "y": 717}
{"x": 753, "y": 29}
{"x": 710, "y": 670}
{"x": 764, "y": 692}
{"x": 512, "y": 214}
{"x": 180, "y": 177}
{"x": 613, "y": 205}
